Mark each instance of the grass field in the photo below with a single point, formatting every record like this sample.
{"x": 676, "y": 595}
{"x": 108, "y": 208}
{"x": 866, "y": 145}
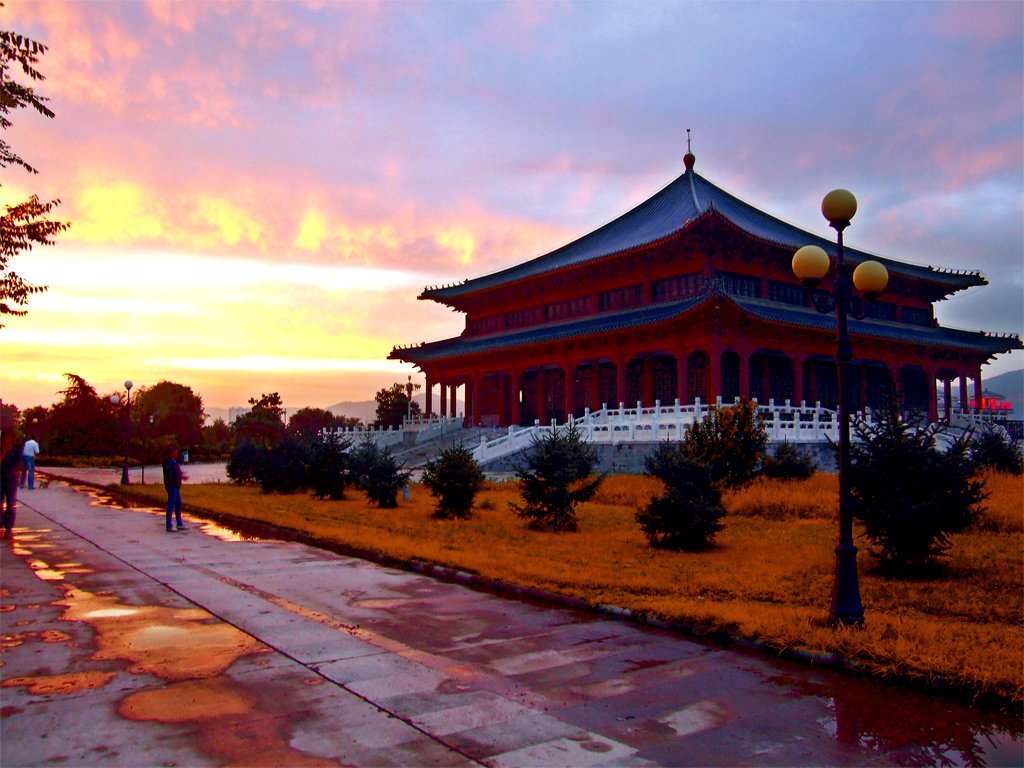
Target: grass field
{"x": 768, "y": 578}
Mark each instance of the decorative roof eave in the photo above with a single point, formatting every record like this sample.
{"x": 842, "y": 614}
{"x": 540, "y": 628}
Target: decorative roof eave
{"x": 666, "y": 213}
{"x": 653, "y": 314}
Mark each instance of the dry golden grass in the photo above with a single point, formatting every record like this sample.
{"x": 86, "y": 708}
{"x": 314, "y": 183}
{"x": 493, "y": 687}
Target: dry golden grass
{"x": 769, "y": 576}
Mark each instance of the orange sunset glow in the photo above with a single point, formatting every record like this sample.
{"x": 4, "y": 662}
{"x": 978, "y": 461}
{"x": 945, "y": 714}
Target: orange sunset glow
{"x": 258, "y": 191}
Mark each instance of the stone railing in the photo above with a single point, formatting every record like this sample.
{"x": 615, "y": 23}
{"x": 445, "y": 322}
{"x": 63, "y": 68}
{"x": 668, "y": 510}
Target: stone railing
{"x": 384, "y": 437}
{"x": 658, "y": 423}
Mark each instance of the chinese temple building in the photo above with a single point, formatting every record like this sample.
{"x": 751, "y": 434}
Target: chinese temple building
{"x": 689, "y": 295}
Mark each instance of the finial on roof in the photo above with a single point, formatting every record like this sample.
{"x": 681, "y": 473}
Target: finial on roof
{"x": 688, "y": 158}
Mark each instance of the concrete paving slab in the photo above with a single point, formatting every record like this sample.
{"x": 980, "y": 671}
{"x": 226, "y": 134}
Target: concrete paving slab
{"x": 202, "y": 648}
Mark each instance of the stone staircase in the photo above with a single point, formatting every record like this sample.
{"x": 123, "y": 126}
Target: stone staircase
{"x": 415, "y": 456}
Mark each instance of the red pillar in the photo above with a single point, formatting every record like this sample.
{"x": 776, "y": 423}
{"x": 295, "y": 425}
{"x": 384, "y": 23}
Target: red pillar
{"x": 452, "y": 406}
{"x": 933, "y": 394}
{"x": 542, "y": 405}
{"x": 429, "y": 396}
{"x": 477, "y": 392}
{"x": 947, "y": 391}
{"x": 965, "y": 400}
{"x": 744, "y": 356}
{"x": 620, "y": 379}
{"x": 713, "y": 388}
{"x": 979, "y": 391}
{"x": 648, "y": 388}
{"x": 570, "y": 389}
{"x": 443, "y": 400}
{"x": 517, "y": 413}
{"x": 798, "y": 381}
{"x": 595, "y": 386}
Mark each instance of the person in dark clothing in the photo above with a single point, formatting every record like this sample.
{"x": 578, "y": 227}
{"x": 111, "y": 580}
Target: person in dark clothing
{"x": 10, "y": 469}
{"x": 172, "y": 482}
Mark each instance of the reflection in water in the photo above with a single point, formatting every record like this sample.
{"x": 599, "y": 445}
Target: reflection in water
{"x": 187, "y": 647}
{"x": 910, "y": 728}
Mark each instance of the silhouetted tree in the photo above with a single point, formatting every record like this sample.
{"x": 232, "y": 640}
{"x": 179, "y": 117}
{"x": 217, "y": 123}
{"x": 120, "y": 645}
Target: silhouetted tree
{"x": 174, "y": 410}
{"x": 393, "y": 405}
{"x": 264, "y": 423}
{"x": 25, "y": 224}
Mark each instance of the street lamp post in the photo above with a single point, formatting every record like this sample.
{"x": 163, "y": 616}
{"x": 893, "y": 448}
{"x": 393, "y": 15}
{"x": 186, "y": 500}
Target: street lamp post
{"x": 811, "y": 264}
{"x": 115, "y": 399}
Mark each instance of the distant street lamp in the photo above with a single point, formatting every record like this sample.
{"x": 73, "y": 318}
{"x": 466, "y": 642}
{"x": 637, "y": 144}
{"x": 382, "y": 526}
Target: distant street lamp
{"x": 811, "y": 264}
{"x": 115, "y": 399}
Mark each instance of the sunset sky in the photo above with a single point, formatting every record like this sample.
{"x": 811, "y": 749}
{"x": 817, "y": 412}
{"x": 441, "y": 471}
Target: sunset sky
{"x": 259, "y": 191}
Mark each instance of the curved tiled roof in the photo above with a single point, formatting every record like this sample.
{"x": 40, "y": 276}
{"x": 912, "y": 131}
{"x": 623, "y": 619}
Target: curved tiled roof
{"x": 772, "y": 312}
{"x": 670, "y": 211}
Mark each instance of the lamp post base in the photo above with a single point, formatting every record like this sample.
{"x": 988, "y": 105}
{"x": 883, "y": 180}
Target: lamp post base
{"x": 846, "y": 606}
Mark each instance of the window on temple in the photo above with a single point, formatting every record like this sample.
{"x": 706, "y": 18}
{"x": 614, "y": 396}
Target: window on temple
{"x": 678, "y": 287}
{"x": 521, "y": 318}
{"x": 563, "y": 310}
{"x": 787, "y": 293}
{"x": 916, "y": 316}
{"x": 621, "y": 298}
{"x": 482, "y": 325}
{"x": 882, "y": 310}
{"x": 740, "y": 285}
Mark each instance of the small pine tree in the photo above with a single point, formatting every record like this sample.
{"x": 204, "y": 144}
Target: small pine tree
{"x": 994, "y": 449}
{"x": 688, "y": 515}
{"x": 454, "y": 479}
{"x": 909, "y": 495}
{"x": 329, "y": 467}
{"x": 730, "y": 441}
{"x": 788, "y": 463}
{"x": 558, "y": 475}
{"x": 378, "y": 474}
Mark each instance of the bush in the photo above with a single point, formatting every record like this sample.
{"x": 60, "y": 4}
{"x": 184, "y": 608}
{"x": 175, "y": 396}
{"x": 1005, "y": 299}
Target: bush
{"x": 377, "y": 473}
{"x": 285, "y": 468}
{"x": 910, "y": 496}
{"x": 995, "y": 449}
{"x": 558, "y": 475}
{"x": 329, "y": 467}
{"x": 788, "y": 463}
{"x": 688, "y": 515}
{"x": 454, "y": 479}
{"x": 246, "y": 462}
{"x": 730, "y": 442}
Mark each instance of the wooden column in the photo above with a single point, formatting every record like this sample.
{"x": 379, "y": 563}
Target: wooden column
{"x": 965, "y": 400}
{"x": 595, "y": 385}
{"x": 477, "y": 392}
{"x": 648, "y": 388}
{"x": 933, "y": 395}
{"x": 979, "y": 391}
{"x": 620, "y": 379}
{"x": 443, "y": 400}
{"x": 542, "y": 405}
{"x": 517, "y": 413}
{"x": 429, "y": 396}
{"x": 947, "y": 391}
{"x": 452, "y": 405}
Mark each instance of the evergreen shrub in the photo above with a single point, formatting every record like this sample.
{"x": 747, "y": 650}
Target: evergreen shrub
{"x": 994, "y": 449}
{"x": 453, "y": 478}
{"x": 378, "y": 473}
{"x": 788, "y": 463}
{"x": 688, "y": 515}
{"x": 286, "y": 467}
{"x": 558, "y": 475}
{"x": 329, "y": 467}
{"x": 730, "y": 441}
{"x": 246, "y": 463}
{"x": 910, "y": 496}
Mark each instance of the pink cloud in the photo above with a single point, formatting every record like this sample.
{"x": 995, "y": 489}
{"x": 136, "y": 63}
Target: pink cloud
{"x": 978, "y": 22}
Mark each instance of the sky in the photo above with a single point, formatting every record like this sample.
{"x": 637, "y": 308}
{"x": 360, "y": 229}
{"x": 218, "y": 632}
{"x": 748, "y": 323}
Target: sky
{"x": 258, "y": 191}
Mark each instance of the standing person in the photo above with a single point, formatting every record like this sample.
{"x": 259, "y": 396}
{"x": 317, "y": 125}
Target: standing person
{"x": 28, "y": 463}
{"x": 10, "y": 468}
{"x": 172, "y": 482}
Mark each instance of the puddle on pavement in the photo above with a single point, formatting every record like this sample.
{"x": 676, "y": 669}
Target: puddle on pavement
{"x": 188, "y": 648}
{"x": 912, "y": 728}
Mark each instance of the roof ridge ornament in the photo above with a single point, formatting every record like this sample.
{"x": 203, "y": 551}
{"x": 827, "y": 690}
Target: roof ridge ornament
{"x": 688, "y": 160}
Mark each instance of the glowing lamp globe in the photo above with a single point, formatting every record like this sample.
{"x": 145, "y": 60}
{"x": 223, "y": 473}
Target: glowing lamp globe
{"x": 839, "y": 207}
{"x": 115, "y": 399}
{"x": 811, "y": 264}
{"x": 870, "y": 278}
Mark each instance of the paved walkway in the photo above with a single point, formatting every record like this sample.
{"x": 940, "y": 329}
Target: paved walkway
{"x": 126, "y": 645}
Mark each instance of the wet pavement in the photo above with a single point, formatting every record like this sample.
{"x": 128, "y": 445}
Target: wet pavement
{"x": 126, "y": 645}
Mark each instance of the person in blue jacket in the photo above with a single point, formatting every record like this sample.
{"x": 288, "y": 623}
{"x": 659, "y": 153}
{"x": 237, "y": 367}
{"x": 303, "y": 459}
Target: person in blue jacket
{"x": 172, "y": 482}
